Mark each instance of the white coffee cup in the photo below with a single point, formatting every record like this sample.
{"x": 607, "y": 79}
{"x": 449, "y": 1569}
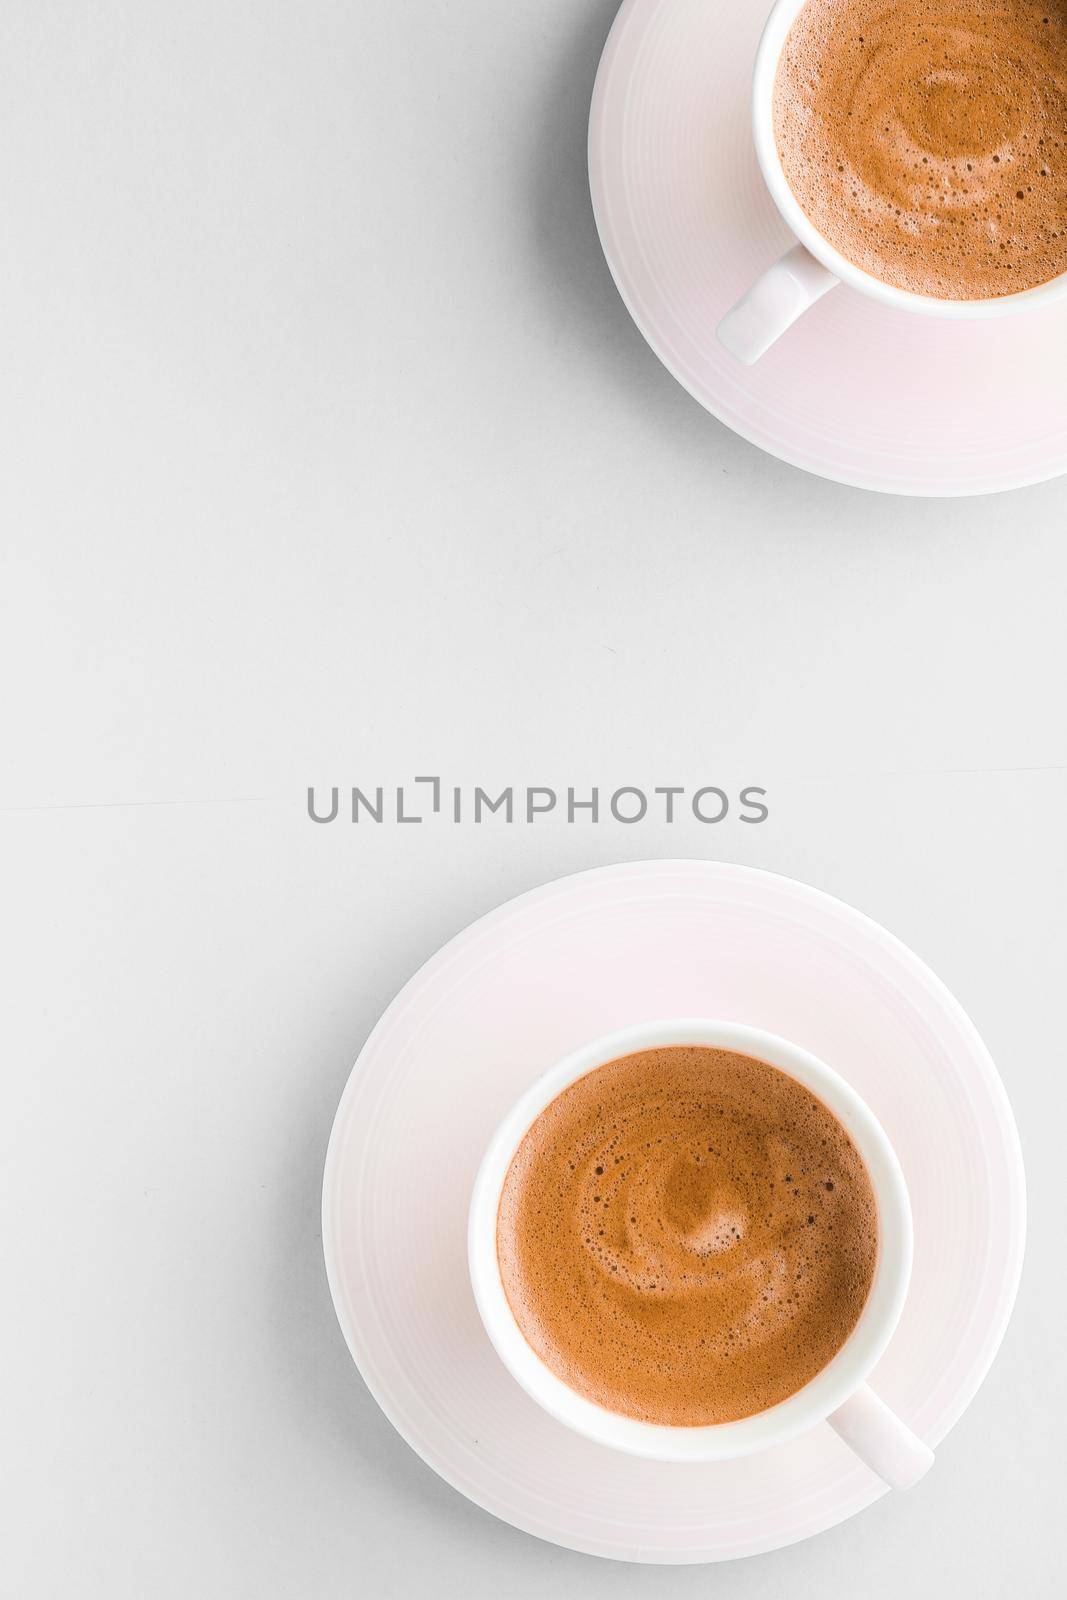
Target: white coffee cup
{"x": 838, "y": 1394}
{"x": 811, "y": 267}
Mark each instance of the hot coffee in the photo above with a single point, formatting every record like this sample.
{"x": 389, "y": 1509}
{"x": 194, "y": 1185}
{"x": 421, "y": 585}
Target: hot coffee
{"x": 927, "y": 140}
{"x": 687, "y": 1235}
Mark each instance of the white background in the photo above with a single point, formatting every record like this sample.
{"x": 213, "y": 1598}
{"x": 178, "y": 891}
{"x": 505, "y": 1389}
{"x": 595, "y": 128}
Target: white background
{"x": 329, "y": 455}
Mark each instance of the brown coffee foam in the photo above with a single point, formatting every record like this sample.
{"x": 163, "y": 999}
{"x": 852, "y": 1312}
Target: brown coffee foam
{"x": 687, "y": 1236}
{"x": 927, "y": 140}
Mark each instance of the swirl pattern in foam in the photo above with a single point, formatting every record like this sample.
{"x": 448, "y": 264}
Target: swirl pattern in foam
{"x": 687, "y": 1235}
{"x": 927, "y": 140}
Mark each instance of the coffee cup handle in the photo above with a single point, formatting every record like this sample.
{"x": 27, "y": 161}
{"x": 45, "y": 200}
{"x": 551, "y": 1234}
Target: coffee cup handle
{"x": 881, "y": 1440}
{"x": 773, "y": 304}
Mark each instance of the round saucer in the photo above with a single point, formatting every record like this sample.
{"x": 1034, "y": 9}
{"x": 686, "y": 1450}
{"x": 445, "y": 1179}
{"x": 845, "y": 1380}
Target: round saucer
{"x": 878, "y": 398}
{"x": 522, "y": 987}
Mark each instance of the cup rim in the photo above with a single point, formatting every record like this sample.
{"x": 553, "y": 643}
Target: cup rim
{"x": 823, "y": 1393}
{"x": 768, "y": 53}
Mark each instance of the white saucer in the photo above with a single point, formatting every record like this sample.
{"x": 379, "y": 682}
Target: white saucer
{"x": 528, "y": 983}
{"x": 878, "y": 398}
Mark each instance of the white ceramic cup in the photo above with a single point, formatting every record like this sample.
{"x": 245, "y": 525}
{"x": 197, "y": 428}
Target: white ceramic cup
{"x": 811, "y": 267}
{"x": 838, "y": 1394}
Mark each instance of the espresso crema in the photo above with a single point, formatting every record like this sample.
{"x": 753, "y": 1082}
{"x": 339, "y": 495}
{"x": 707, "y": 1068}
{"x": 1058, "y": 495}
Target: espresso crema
{"x": 687, "y": 1235}
{"x": 927, "y": 140}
